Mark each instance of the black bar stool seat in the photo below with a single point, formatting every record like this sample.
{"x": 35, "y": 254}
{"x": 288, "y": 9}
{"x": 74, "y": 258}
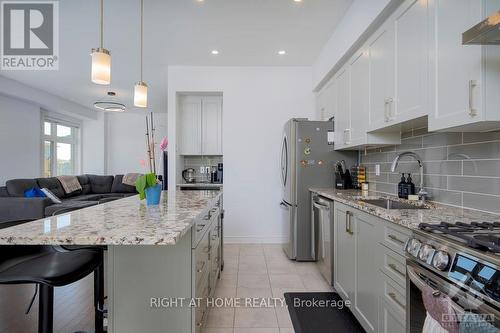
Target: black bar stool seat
{"x": 49, "y": 268}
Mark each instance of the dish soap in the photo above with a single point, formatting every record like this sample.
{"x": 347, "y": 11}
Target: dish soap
{"x": 410, "y": 186}
{"x": 402, "y": 187}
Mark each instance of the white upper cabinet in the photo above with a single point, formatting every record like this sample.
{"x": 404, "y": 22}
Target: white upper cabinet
{"x": 464, "y": 79}
{"x": 382, "y": 89}
{"x": 200, "y": 125}
{"x": 343, "y": 110}
{"x": 211, "y": 125}
{"x": 411, "y": 62}
{"x": 326, "y": 101}
{"x": 359, "y": 98}
{"x": 190, "y": 125}
{"x": 352, "y": 108}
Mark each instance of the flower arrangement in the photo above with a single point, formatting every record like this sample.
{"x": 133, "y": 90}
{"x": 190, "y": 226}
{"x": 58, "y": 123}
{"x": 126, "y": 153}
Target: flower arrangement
{"x": 148, "y": 185}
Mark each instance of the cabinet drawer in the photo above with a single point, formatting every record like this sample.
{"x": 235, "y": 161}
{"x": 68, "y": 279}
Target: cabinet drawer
{"x": 394, "y": 266}
{"x": 391, "y": 320}
{"x": 394, "y": 295}
{"x": 201, "y": 312}
{"x": 395, "y": 237}
{"x": 201, "y": 258}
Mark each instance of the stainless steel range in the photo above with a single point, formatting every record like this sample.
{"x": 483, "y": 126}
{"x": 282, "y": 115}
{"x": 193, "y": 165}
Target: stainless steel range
{"x": 460, "y": 260}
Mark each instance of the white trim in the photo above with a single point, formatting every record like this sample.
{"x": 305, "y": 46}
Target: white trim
{"x": 255, "y": 239}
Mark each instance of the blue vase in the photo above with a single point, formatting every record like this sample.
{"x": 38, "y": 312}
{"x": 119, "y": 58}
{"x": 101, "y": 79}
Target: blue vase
{"x": 153, "y": 195}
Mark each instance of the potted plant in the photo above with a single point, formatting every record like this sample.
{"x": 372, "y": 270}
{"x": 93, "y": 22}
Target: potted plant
{"x": 148, "y": 185}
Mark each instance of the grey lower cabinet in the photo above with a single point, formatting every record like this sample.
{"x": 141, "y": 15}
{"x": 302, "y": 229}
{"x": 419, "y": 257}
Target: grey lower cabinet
{"x": 207, "y": 260}
{"x": 360, "y": 257}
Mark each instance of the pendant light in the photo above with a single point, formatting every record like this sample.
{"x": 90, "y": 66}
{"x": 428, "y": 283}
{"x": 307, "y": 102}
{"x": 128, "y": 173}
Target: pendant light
{"x": 141, "y": 88}
{"x": 101, "y": 58}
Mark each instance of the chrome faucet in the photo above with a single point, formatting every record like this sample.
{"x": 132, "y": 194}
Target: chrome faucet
{"x": 422, "y": 194}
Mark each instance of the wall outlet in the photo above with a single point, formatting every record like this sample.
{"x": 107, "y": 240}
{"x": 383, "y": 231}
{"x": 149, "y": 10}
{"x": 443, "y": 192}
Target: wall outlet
{"x": 377, "y": 169}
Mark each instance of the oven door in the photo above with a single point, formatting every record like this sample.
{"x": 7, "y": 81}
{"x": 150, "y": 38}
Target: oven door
{"x": 417, "y": 277}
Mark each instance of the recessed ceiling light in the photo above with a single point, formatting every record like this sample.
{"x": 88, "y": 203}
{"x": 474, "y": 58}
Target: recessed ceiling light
{"x": 214, "y": 52}
{"x": 282, "y": 52}
{"x": 297, "y": 0}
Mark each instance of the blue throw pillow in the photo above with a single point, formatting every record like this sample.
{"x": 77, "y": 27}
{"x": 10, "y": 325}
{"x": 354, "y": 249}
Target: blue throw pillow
{"x": 34, "y": 193}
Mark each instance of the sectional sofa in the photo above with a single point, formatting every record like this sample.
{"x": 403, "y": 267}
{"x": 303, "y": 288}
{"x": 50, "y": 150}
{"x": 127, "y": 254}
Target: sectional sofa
{"x": 95, "y": 189}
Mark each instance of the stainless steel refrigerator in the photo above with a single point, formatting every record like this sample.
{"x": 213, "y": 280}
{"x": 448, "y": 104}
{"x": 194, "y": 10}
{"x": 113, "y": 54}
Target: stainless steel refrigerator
{"x": 307, "y": 160}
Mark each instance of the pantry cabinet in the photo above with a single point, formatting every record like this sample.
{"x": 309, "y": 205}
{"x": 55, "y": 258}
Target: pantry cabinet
{"x": 464, "y": 79}
{"x": 200, "y": 125}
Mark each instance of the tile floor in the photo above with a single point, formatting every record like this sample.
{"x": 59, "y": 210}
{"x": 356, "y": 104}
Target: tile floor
{"x": 254, "y": 270}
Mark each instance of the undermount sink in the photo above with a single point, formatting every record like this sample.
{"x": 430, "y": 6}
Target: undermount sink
{"x": 391, "y": 204}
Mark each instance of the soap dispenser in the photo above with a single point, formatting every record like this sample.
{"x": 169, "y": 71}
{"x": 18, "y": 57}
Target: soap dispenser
{"x": 410, "y": 185}
{"x": 402, "y": 186}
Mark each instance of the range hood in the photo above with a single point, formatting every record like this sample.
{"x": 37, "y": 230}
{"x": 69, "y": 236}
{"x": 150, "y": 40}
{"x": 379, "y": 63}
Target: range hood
{"x": 485, "y": 33}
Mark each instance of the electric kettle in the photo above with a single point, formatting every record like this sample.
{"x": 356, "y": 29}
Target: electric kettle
{"x": 188, "y": 175}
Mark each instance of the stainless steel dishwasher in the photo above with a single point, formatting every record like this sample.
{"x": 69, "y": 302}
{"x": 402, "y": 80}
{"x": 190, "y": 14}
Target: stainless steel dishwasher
{"x": 322, "y": 234}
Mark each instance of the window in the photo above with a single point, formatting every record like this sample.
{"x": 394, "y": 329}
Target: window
{"x": 59, "y": 148}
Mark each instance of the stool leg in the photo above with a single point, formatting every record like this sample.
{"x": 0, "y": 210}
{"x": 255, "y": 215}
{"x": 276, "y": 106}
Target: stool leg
{"x": 46, "y": 309}
{"x": 99, "y": 298}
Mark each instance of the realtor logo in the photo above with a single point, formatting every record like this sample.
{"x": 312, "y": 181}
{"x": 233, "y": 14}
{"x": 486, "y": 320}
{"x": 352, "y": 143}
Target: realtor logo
{"x": 29, "y": 35}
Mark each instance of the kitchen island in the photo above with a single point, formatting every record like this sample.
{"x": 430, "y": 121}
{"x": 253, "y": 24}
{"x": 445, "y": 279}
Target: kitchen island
{"x": 155, "y": 254}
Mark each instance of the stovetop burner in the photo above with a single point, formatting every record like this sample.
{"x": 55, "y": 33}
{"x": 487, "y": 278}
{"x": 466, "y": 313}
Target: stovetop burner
{"x": 479, "y": 235}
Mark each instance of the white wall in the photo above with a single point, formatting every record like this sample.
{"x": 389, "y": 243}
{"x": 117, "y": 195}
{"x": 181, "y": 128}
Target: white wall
{"x": 19, "y": 139}
{"x": 20, "y": 130}
{"x": 358, "y": 18}
{"x": 126, "y": 141}
{"x": 257, "y": 101}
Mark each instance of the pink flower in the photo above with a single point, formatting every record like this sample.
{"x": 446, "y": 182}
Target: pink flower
{"x": 142, "y": 162}
{"x": 164, "y": 144}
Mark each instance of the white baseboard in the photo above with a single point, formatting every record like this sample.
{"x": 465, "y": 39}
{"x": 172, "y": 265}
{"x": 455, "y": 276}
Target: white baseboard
{"x": 254, "y": 240}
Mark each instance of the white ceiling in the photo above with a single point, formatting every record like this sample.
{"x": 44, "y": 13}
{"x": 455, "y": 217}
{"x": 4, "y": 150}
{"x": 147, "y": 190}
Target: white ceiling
{"x": 181, "y": 32}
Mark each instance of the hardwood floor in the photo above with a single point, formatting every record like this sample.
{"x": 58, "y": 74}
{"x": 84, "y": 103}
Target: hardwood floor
{"x": 73, "y": 308}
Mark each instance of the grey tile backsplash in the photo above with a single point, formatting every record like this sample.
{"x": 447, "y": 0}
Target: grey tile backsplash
{"x": 196, "y": 162}
{"x": 461, "y": 169}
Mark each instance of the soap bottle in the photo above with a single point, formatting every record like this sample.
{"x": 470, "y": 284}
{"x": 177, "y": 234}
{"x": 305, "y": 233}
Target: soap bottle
{"x": 410, "y": 185}
{"x": 402, "y": 186}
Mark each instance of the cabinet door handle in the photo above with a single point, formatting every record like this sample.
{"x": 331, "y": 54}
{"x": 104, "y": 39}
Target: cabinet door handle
{"x": 386, "y": 113}
{"x": 397, "y": 240}
{"x": 395, "y": 269}
{"x": 350, "y": 224}
{"x": 347, "y": 222}
{"x": 472, "y": 110}
{"x": 395, "y": 299}
{"x": 388, "y": 109}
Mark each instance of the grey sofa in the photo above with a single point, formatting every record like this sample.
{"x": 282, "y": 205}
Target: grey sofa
{"x": 95, "y": 189}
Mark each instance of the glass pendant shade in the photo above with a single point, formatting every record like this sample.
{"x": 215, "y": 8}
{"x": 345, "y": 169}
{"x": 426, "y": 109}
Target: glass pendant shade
{"x": 141, "y": 94}
{"x": 101, "y": 66}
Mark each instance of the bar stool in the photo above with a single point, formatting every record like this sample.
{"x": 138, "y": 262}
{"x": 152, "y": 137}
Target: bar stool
{"x": 49, "y": 268}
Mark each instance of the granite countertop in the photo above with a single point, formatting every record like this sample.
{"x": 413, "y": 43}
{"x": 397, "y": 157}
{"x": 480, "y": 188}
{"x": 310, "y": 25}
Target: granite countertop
{"x": 410, "y": 218}
{"x": 207, "y": 185}
{"x": 127, "y": 221}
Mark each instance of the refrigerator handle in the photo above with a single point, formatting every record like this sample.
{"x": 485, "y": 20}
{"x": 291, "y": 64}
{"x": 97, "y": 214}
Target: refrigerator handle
{"x": 284, "y": 161}
{"x": 313, "y": 232}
